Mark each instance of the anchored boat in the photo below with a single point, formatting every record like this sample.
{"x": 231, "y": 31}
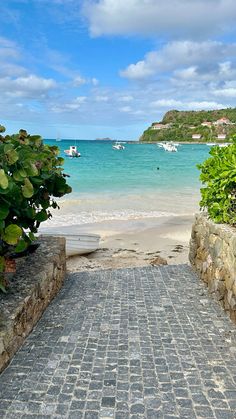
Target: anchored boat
{"x": 72, "y": 151}
{"x": 118, "y": 146}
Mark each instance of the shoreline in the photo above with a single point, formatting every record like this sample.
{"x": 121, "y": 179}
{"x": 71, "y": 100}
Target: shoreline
{"x": 132, "y": 243}
{"x": 179, "y": 142}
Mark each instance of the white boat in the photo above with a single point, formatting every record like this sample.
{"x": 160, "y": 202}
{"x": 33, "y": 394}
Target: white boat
{"x": 168, "y": 146}
{"x": 118, "y": 146}
{"x": 72, "y": 151}
{"x": 78, "y": 244}
{"x": 219, "y": 144}
{"x": 224, "y": 145}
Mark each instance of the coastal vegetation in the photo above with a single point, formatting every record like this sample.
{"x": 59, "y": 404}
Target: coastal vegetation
{"x": 31, "y": 175}
{"x": 218, "y": 174}
{"x": 190, "y": 126}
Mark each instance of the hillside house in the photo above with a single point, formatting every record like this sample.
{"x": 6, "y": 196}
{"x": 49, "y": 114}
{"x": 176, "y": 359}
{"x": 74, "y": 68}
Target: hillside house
{"x": 196, "y": 136}
{"x": 158, "y": 125}
{"x": 206, "y": 124}
{"x": 221, "y": 136}
{"x": 222, "y": 121}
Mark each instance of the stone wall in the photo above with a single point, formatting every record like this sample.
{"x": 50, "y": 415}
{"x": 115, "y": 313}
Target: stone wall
{"x": 37, "y": 280}
{"x": 213, "y": 256}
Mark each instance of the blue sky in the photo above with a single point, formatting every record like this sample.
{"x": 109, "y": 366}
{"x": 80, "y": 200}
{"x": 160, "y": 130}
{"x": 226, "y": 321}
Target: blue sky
{"x": 97, "y": 68}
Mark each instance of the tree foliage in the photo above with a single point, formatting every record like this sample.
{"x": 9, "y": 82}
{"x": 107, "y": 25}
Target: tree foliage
{"x": 218, "y": 174}
{"x": 31, "y": 175}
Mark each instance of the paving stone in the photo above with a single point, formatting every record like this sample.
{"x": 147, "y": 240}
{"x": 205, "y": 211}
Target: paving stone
{"x": 126, "y": 344}
{"x": 108, "y": 401}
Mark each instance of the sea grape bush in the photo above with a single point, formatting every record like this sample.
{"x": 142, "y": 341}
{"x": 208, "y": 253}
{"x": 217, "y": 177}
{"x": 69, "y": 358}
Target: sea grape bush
{"x": 31, "y": 175}
{"x": 218, "y": 174}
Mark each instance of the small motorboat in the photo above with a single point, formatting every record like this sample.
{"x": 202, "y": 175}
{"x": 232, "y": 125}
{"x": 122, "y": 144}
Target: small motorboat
{"x": 168, "y": 146}
{"x": 72, "y": 151}
{"x": 223, "y": 144}
{"x": 77, "y": 244}
{"x": 118, "y": 146}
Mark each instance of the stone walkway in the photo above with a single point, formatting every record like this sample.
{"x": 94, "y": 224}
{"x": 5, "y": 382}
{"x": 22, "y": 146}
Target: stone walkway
{"x": 129, "y": 343}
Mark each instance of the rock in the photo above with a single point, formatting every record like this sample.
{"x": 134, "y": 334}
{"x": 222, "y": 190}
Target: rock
{"x": 158, "y": 261}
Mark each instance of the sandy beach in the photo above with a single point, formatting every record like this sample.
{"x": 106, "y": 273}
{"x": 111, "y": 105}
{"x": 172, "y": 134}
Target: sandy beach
{"x": 141, "y": 242}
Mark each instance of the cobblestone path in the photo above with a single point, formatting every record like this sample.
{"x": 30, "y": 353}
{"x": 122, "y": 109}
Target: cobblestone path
{"x": 129, "y": 343}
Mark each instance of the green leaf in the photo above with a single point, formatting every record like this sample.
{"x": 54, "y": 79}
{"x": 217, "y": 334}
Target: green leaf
{"x": 32, "y": 170}
{"x": 2, "y": 264}
{"x": 2, "y": 287}
{"x": 27, "y": 189}
{"x": 17, "y": 176}
{"x": 12, "y": 156}
{"x": 22, "y": 172}
{"x": 12, "y": 234}
{"x": 31, "y": 236}
{"x": 37, "y": 140}
{"x": 2, "y": 225}
{"x": 21, "y": 246}
{"x": 41, "y": 216}
{"x": 4, "y": 211}
{"x": 8, "y": 147}
{"x": 3, "y": 179}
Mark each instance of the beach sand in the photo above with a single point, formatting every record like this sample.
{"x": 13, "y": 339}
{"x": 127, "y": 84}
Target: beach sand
{"x": 140, "y": 242}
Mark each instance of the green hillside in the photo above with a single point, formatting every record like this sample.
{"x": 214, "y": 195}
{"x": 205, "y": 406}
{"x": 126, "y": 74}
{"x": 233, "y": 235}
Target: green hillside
{"x": 182, "y": 125}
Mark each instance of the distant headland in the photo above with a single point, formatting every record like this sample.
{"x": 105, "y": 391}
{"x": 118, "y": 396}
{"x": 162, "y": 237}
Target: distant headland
{"x": 193, "y": 126}
{"x": 104, "y": 139}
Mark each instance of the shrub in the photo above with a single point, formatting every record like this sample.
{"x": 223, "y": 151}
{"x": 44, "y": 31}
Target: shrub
{"x": 218, "y": 173}
{"x": 31, "y": 175}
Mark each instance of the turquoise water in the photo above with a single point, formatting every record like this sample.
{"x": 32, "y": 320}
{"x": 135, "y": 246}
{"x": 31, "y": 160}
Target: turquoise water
{"x": 142, "y": 180}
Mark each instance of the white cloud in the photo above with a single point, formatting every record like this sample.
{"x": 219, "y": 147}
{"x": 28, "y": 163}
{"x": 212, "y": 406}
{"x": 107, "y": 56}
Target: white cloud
{"x": 30, "y": 86}
{"x": 94, "y": 81}
{"x": 125, "y": 109}
{"x": 204, "y": 105}
{"x": 166, "y": 103}
{"x": 125, "y": 98}
{"x": 8, "y": 49}
{"x": 185, "y": 59}
{"x": 72, "y": 105}
{"x": 227, "y": 92}
{"x": 181, "y": 18}
{"x": 78, "y": 81}
{"x": 185, "y": 105}
{"x": 101, "y": 98}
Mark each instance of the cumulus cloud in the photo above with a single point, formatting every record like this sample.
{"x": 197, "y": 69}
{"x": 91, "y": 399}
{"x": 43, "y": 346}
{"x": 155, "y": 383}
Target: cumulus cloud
{"x": 185, "y": 59}
{"x": 226, "y": 91}
{"x": 30, "y": 86}
{"x": 167, "y": 103}
{"x": 70, "y": 106}
{"x": 204, "y": 105}
{"x": 186, "y": 105}
{"x": 181, "y": 18}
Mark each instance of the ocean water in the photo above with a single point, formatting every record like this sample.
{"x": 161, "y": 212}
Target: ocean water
{"x": 140, "y": 181}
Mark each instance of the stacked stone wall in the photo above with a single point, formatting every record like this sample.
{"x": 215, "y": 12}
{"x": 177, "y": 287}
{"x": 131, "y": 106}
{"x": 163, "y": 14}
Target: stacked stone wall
{"x": 213, "y": 256}
{"x": 37, "y": 280}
